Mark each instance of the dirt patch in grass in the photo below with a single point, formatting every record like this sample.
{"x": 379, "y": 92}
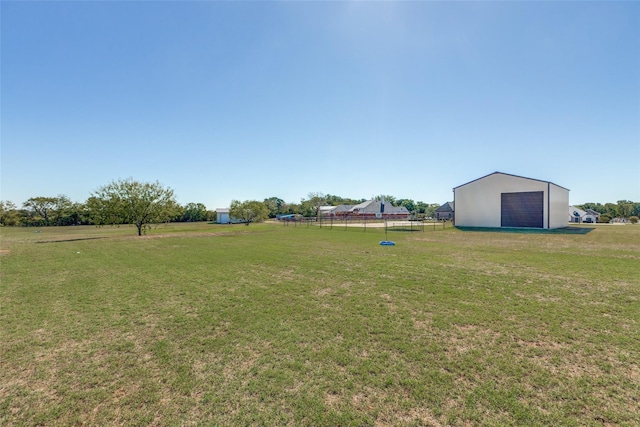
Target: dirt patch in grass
{"x": 184, "y": 235}
{"x": 421, "y": 415}
{"x": 78, "y": 239}
{"x": 468, "y": 337}
{"x": 324, "y": 292}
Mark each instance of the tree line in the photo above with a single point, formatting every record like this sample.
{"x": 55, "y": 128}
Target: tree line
{"x": 145, "y": 203}
{"x": 119, "y": 202}
{"x": 609, "y": 211}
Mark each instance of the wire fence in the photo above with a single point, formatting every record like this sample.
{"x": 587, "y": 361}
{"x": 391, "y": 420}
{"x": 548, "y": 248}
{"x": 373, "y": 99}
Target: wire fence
{"x": 354, "y": 222}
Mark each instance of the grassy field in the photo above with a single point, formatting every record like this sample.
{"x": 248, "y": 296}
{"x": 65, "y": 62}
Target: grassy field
{"x": 270, "y": 325}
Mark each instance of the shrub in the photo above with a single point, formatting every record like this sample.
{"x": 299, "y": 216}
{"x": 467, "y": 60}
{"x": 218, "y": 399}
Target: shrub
{"x": 604, "y": 218}
{"x": 633, "y": 219}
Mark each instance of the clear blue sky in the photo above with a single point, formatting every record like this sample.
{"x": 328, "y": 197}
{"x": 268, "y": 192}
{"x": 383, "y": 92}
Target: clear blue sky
{"x": 248, "y": 100}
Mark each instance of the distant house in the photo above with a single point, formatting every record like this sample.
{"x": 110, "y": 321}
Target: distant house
{"x": 379, "y": 209}
{"x": 327, "y": 210}
{"x": 445, "y": 212}
{"x": 222, "y": 216}
{"x": 577, "y": 215}
{"x": 366, "y": 210}
{"x": 335, "y": 211}
{"x": 594, "y": 214}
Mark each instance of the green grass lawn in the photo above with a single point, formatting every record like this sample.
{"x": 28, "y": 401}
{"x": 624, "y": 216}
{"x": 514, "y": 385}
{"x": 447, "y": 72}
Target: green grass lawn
{"x": 199, "y": 324}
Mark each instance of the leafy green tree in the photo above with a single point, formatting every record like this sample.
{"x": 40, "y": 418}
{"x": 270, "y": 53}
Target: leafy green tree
{"x": 74, "y": 214}
{"x": 307, "y": 208}
{"x": 178, "y": 214}
{"x": 407, "y": 203}
{"x": 99, "y": 214}
{"x": 332, "y": 200}
{"x": 48, "y": 210}
{"x": 293, "y": 208}
{"x": 611, "y": 210}
{"x": 427, "y": 209}
{"x": 194, "y": 212}
{"x": 625, "y": 208}
{"x": 132, "y": 202}
{"x": 275, "y": 205}
{"x": 9, "y": 214}
{"x": 598, "y": 207}
{"x": 604, "y": 219}
{"x": 248, "y": 211}
{"x": 41, "y": 208}
{"x": 311, "y": 206}
{"x": 63, "y": 213}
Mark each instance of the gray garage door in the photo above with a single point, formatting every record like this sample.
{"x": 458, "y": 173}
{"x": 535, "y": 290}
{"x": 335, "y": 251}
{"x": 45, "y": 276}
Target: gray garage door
{"x": 523, "y": 209}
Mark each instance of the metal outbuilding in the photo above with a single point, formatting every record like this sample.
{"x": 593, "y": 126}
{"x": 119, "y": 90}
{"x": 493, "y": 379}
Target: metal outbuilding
{"x": 222, "y": 216}
{"x": 503, "y": 200}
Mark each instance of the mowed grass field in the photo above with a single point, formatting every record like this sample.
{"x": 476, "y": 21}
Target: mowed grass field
{"x": 270, "y": 325}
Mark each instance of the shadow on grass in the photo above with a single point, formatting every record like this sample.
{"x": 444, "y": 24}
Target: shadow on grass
{"x": 563, "y": 230}
{"x": 70, "y": 240}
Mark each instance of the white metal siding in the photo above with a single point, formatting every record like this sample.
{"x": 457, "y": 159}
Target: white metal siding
{"x": 478, "y": 203}
{"x": 559, "y": 200}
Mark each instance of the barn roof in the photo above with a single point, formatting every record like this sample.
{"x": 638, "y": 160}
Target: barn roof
{"x": 342, "y": 208}
{"x": 375, "y": 206}
{"x": 508, "y": 174}
{"x": 447, "y": 207}
{"x": 573, "y": 210}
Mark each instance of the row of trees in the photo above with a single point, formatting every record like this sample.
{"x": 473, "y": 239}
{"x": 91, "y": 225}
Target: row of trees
{"x": 621, "y": 209}
{"x": 142, "y": 204}
{"x": 47, "y": 211}
{"x": 120, "y": 202}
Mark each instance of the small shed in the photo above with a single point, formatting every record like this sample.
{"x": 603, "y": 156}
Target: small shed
{"x": 222, "y": 216}
{"x": 505, "y": 200}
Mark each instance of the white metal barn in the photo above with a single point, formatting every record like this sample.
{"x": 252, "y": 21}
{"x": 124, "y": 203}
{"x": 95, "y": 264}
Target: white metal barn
{"x": 504, "y": 200}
